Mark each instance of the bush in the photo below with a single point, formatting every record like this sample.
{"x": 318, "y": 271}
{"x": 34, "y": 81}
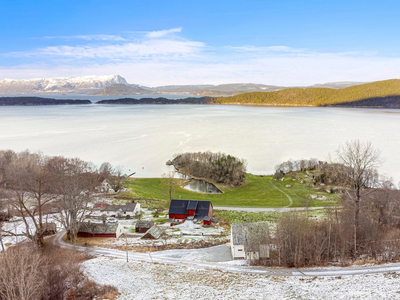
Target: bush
{"x": 52, "y": 273}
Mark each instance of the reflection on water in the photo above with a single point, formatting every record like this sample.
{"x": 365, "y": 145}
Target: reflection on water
{"x": 202, "y": 186}
{"x": 198, "y": 185}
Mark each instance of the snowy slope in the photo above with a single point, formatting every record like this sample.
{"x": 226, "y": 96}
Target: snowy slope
{"x": 74, "y": 85}
{"x": 141, "y": 280}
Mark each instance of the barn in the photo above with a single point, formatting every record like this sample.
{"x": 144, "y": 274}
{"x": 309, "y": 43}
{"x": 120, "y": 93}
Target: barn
{"x": 250, "y": 240}
{"x": 191, "y": 209}
{"x": 104, "y": 230}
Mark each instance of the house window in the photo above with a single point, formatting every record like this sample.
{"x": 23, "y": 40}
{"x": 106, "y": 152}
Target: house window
{"x": 240, "y": 249}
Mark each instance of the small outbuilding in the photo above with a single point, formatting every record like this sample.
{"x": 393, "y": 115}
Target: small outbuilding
{"x": 154, "y": 233}
{"x": 104, "y": 230}
{"x": 49, "y": 228}
{"x": 142, "y": 226}
{"x": 250, "y": 240}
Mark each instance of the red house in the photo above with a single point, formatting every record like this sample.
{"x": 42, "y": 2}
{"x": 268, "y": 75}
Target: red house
{"x": 191, "y": 209}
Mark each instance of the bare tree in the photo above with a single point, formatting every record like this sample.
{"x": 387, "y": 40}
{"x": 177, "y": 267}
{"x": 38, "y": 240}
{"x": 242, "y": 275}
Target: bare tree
{"x": 74, "y": 184}
{"x": 1, "y": 235}
{"x": 112, "y": 174}
{"x": 28, "y": 188}
{"x": 21, "y": 274}
{"x": 169, "y": 182}
{"x": 360, "y": 160}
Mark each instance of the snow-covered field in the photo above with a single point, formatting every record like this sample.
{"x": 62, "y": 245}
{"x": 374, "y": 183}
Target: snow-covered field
{"x": 140, "y": 280}
{"x": 18, "y": 226}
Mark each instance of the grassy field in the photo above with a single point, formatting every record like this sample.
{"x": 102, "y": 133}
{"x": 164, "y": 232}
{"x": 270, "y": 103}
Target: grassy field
{"x": 256, "y": 192}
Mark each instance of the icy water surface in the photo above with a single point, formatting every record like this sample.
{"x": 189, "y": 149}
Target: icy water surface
{"x": 142, "y": 138}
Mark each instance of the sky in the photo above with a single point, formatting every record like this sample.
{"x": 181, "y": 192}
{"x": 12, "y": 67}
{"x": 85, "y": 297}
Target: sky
{"x": 166, "y": 42}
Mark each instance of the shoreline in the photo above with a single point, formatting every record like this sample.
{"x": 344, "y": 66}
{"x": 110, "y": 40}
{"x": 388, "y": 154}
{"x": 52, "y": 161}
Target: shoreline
{"x": 43, "y": 101}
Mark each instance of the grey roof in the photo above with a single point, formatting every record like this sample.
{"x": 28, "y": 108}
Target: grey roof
{"x": 128, "y": 207}
{"x": 98, "y": 228}
{"x": 144, "y": 224}
{"x": 154, "y": 232}
{"x": 250, "y": 235}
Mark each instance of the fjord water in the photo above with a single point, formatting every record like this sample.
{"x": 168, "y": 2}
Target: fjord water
{"x": 141, "y": 138}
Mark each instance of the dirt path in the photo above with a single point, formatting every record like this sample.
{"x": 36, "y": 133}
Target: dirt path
{"x": 265, "y": 209}
{"x": 290, "y": 198}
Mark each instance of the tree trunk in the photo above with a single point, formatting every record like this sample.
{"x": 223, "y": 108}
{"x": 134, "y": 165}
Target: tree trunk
{"x": 356, "y": 220}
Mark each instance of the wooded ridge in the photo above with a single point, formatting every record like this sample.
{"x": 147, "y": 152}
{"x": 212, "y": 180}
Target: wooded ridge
{"x": 379, "y": 94}
{"x": 27, "y": 101}
{"x": 375, "y": 94}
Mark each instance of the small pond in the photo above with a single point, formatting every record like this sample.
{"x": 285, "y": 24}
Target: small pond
{"x": 201, "y": 186}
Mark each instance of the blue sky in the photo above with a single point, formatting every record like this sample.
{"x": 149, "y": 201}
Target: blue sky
{"x": 190, "y": 42}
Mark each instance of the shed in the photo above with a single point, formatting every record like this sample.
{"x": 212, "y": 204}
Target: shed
{"x": 154, "y": 233}
{"x": 142, "y": 226}
{"x": 250, "y": 240}
{"x": 99, "y": 230}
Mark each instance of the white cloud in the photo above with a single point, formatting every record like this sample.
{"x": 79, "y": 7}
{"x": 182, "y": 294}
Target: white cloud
{"x": 287, "y": 71}
{"x": 271, "y": 49}
{"x": 94, "y": 37}
{"x": 163, "y": 33}
{"x": 100, "y": 37}
{"x": 127, "y": 50}
{"x": 161, "y": 57}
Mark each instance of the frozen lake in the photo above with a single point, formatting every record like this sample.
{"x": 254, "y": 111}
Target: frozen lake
{"x": 142, "y": 138}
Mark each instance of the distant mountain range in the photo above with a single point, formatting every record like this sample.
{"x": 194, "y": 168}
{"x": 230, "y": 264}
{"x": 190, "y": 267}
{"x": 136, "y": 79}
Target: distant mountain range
{"x": 378, "y": 94}
{"x": 117, "y": 85}
{"x": 62, "y": 85}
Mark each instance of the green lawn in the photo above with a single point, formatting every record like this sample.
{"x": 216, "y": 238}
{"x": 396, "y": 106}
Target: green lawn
{"x": 256, "y": 192}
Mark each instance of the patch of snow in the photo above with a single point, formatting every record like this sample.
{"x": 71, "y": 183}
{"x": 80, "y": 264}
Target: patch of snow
{"x": 142, "y": 280}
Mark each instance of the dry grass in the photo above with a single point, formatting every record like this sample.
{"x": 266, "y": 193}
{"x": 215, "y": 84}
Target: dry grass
{"x": 361, "y": 262}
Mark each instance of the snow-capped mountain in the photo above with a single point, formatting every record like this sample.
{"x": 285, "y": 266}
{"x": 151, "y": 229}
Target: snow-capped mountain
{"x": 61, "y": 85}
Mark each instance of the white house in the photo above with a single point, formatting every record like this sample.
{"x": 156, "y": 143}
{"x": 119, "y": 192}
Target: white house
{"x": 250, "y": 240}
{"x": 129, "y": 209}
{"x": 105, "y": 187}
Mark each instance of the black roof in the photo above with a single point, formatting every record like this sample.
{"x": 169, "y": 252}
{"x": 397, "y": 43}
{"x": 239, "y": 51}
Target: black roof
{"x": 192, "y": 204}
{"x": 202, "y": 210}
{"x": 181, "y": 206}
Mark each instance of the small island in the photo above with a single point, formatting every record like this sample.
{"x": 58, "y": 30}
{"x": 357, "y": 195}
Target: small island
{"x": 159, "y": 100}
{"x": 33, "y": 101}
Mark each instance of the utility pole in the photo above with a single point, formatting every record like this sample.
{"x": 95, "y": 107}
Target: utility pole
{"x": 150, "y": 257}
{"x": 126, "y": 247}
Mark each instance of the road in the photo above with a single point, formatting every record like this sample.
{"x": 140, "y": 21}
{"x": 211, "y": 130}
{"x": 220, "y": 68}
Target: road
{"x": 187, "y": 257}
{"x": 265, "y": 209}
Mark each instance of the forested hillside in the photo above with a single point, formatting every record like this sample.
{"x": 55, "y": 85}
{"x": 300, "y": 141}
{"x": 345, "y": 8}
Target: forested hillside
{"x": 39, "y": 101}
{"x": 323, "y": 96}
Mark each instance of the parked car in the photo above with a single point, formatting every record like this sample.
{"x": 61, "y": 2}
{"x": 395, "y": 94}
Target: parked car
{"x": 112, "y": 220}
